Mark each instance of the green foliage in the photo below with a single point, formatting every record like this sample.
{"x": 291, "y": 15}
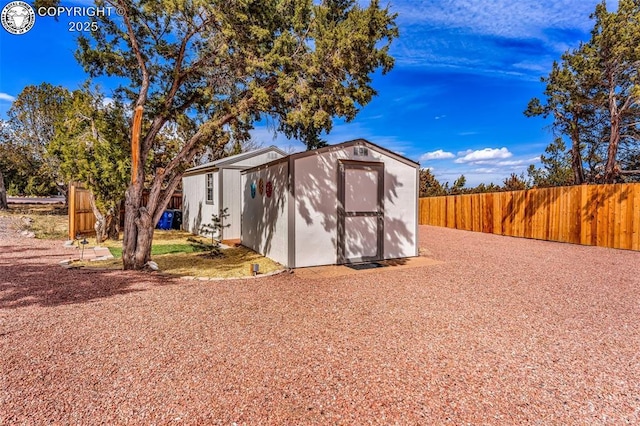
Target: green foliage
{"x": 300, "y": 63}
{"x": 27, "y": 166}
{"x": 515, "y": 183}
{"x": 482, "y": 189}
{"x": 214, "y": 68}
{"x": 593, "y": 95}
{"x": 556, "y": 167}
{"x": 92, "y": 146}
{"x": 160, "y": 249}
{"x": 458, "y": 186}
{"x": 429, "y": 185}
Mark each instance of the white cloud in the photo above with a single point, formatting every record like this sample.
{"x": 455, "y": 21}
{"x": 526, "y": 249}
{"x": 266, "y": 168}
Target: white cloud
{"x": 6, "y": 97}
{"x": 107, "y": 101}
{"x": 486, "y": 170}
{"x": 436, "y": 155}
{"x": 483, "y": 155}
{"x": 506, "y": 163}
{"x": 503, "y": 38}
{"x": 505, "y": 18}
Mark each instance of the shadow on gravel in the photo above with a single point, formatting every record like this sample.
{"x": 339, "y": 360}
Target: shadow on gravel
{"x": 50, "y": 285}
{"x": 15, "y": 249}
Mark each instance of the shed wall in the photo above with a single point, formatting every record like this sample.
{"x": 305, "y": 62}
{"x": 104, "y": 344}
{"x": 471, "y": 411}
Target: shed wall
{"x": 265, "y": 218}
{"x": 316, "y": 204}
{"x": 195, "y": 210}
{"x": 227, "y": 194}
{"x": 232, "y": 201}
{"x": 400, "y": 209}
{"x": 316, "y": 207}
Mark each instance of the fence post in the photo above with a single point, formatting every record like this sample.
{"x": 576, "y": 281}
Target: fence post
{"x": 71, "y": 213}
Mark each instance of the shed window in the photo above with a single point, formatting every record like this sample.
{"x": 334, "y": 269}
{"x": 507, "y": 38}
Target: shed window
{"x": 209, "y": 188}
{"x": 360, "y": 151}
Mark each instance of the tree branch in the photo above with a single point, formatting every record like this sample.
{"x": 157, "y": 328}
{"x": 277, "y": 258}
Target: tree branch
{"x": 144, "y": 87}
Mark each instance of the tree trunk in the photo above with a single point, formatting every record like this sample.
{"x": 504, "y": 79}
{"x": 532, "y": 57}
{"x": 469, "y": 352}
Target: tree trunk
{"x": 112, "y": 228}
{"x": 576, "y": 157}
{"x": 3, "y": 194}
{"x": 610, "y": 170}
{"x": 138, "y": 229}
{"x": 576, "y": 165}
{"x": 100, "y": 221}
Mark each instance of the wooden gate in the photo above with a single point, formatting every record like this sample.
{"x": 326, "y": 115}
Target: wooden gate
{"x": 81, "y": 217}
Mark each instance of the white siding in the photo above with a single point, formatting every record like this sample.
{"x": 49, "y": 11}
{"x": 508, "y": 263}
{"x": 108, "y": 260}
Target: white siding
{"x": 400, "y": 209}
{"x": 316, "y": 206}
{"x": 195, "y": 210}
{"x": 265, "y": 219}
{"x": 227, "y": 194}
{"x": 316, "y": 209}
{"x": 232, "y": 201}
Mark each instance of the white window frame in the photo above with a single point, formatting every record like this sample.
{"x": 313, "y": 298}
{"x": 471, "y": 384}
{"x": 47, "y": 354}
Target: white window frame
{"x": 209, "y": 191}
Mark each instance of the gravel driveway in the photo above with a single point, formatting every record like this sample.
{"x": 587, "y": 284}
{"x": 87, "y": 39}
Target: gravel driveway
{"x": 502, "y": 331}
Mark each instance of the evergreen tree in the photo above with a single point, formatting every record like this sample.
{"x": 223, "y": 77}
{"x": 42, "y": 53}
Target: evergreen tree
{"x": 92, "y": 147}
{"x": 515, "y": 183}
{"x": 429, "y": 185}
{"x": 594, "y": 94}
{"x": 215, "y": 67}
{"x": 27, "y": 133}
{"x": 556, "y": 167}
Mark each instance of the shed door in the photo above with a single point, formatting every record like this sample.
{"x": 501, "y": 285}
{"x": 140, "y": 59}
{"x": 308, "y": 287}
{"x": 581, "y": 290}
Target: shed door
{"x": 360, "y": 211}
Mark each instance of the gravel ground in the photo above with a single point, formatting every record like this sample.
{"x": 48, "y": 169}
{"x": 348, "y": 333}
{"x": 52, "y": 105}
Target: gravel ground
{"x": 503, "y": 331}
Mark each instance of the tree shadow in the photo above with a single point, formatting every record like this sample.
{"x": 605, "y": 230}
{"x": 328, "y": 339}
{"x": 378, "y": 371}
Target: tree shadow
{"x": 187, "y": 224}
{"x": 29, "y": 284}
{"x": 312, "y": 187}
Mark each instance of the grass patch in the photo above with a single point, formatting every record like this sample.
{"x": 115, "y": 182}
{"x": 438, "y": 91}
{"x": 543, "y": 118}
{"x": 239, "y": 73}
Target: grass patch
{"x": 234, "y": 263}
{"x": 174, "y": 255}
{"x": 158, "y": 249}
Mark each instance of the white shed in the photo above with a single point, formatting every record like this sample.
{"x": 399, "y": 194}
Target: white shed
{"x": 210, "y": 188}
{"x": 346, "y": 203}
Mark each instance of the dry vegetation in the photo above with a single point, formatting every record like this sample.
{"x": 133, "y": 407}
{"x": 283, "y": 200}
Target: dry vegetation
{"x": 47, "y": 221}
{"x": 171, "y": 250}
{"x": 235, "y": 262}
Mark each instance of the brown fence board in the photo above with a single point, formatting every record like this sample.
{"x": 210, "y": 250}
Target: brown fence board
{"x": 82, "y": 219}
{"x": 601, "y": 215}
{"x": 635, "y": 226}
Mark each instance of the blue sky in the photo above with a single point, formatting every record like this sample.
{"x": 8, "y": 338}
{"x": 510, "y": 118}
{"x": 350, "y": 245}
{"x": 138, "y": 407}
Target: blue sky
{"x": 465, "y": 70}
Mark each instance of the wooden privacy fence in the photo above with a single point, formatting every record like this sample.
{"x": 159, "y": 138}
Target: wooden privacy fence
{"x": 82, "y": 219}
{"x": 599, "y": 215}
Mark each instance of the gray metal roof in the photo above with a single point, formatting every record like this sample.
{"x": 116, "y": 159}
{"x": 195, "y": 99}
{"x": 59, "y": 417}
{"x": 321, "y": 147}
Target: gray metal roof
{"x": 227, "y": 161}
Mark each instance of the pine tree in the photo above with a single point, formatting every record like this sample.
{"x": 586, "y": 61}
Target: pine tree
{"x": 216, "y": 67}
